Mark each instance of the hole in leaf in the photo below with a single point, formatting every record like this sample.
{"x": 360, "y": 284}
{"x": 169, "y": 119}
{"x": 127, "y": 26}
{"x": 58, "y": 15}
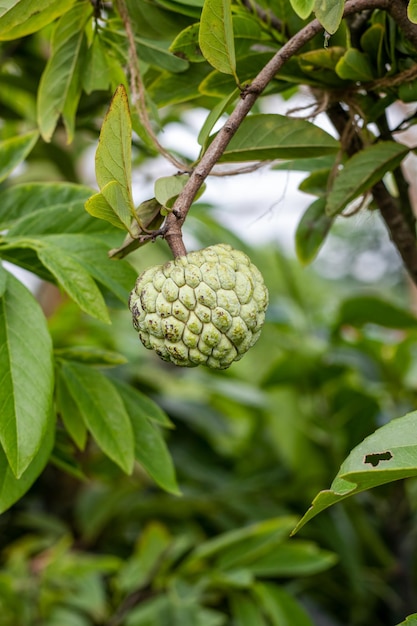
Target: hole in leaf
{"x": 375, "y": 458}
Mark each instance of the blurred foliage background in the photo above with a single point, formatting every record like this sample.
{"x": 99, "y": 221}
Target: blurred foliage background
{"x": 252, "y": 446}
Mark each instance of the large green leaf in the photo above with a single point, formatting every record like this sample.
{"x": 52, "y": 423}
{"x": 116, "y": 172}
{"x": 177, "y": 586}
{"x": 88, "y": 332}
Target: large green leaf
{"x": 113, "y": 155}
{"x": 292, "y": 558}
{"x": 60, "y": 84}
{"x": 150, "y": 447}
{"x": 389, "y": 454}
{"x": 312, "y": 231}
{"x": 74, "y": 279}
{"x": 70, "y": 414}
{"x": 22, "y": 17}
{"x": 26, "y": 375}
{"x": 12, "y": 488}
{"x": 270, "y": 136}
{"x": 68, "y": 272}
{"x": 3, "y": 279}
{"x": 281, "y": 608}
{"x": 42, "y": 208}
{"x": 362, "y": 171}
{"x": 14, "y": 150}
{"x": 153, "y": 53}
{"x": 329, "y": 13}
{"x": 233, "y": 548}
{"x": 91, "y": 253}
{"x": 102, "y": 410}
{"x": 216, "y": 35}
{"x": 246, "y": 611}
{"x": 372, "y": 309}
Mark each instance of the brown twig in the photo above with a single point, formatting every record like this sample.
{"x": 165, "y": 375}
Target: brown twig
{"x": 175, "y": 220}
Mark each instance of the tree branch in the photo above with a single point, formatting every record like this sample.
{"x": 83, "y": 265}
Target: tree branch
{"x": 213, "y": 153}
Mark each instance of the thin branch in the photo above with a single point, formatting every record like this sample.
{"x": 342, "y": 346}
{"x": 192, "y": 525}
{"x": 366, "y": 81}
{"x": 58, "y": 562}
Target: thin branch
{"x": 138, "y": 89}
{"x": 249, "y": 96}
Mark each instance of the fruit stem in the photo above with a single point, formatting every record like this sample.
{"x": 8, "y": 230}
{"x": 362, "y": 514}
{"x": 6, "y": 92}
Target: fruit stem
{"x": 175, "y": 242}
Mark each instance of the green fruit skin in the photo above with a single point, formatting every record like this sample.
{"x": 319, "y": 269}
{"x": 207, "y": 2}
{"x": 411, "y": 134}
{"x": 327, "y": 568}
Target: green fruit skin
{"x": 204, "y": 308}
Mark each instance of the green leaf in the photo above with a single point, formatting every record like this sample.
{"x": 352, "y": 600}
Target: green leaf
{"x": 362, "y": 171}
{"x": 214, "y": 116}
{"x": 246, "y": 611}
{"x": 34, "y": 208}
{"x": 233, "y": 547}
{"x": 120, "y": 200}
{"x": 139, "y": 570}
{"x": 70, "y": 413}
{"x": 3, "y": 279}
{"x": 355, "y": 65}
{"x": 281, "y": 608}
{"x": 411, "y": 620}
{"x": 186, "y": 46}
{"x": 153, "y": 53}
{"x": 14, "y": 150}
{"x": 271, "y": 136}
{"x": 312, "y": 231}
{"x": 216, "y": 36}
{"x": 170, "y": 88}
{"x": 412, "y": 11}
{"x": 150, "y": 217}
{"x": 317, "y": 183}
{"x": 389, "y": 454}
{"x": 59, "y": 87}
{"x": 74, "y": 279}
{"x": 97, "y": 206}
{"x": 12, "y": 488}
{"x": 150, "y": 447}
{"x": 96, "y": 76}
{"x": 102, "y": 410}
{"x": 372, "y": 309}
{"x": 21, "y": 17}
{"x": 329, "y": 13}
{"x": 303, "y": 8}
{"x": 293, "y": 558}
{"x": 92, "y": 254}
{"x": 167, "y": 188}
{"x": 91, "y": 355}
{"x": 26, "y": 374}
{"x": 114, "y": 151}
{"x": 146, "y": 405}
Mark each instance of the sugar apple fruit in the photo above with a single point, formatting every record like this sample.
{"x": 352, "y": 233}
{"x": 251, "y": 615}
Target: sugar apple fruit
{"x": 204, "y": 308}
